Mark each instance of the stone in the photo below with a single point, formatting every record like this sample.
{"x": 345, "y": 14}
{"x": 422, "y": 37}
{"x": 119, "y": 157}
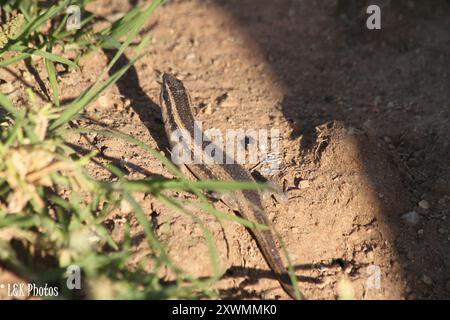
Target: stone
{"x": 427, "y": 280}
{"x": 411, "y": 217}
{"x": 424, "y": 204}
{"x": 304, "y": 184}
{"x": 103, "y": 101}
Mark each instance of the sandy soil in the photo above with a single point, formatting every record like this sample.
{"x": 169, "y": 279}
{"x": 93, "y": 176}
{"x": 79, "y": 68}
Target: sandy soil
{"x": 363, "y": 117}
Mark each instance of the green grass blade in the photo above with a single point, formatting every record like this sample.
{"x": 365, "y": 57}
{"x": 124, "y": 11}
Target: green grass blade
{"x": 154, "y": 185}
{"x": 7, "y": 104}
{"x": 17, "y": 58}
{"x": 44, "y": 54}
{"x": 51, "y": 71}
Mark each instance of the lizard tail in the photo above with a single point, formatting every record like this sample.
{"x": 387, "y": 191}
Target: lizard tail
{"x": 267, "y": 246}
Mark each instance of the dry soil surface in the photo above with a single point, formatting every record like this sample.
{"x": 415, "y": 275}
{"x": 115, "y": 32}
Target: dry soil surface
{"x": 363, "y": 117}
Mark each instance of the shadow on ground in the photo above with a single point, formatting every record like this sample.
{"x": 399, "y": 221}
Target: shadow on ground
{"x": 148, "y": 110}
{"x": 392, "y": 83}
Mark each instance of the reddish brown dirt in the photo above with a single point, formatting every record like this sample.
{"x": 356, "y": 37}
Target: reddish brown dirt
{"x": 364, "y": 121}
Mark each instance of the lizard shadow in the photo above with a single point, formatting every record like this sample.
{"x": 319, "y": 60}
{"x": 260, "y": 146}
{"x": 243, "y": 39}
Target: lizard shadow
{"x": 147, "y": 110}
{"x": 252, "y": 276}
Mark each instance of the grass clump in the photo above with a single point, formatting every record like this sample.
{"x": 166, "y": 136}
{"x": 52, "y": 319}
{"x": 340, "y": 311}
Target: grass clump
{"x": 52, "y": 211}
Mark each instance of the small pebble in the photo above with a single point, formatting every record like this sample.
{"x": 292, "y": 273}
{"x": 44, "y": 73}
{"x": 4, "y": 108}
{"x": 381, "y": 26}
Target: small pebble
{"x": 208, "y": 109}
{"x": 411, "y": 217}
{"x": 103, "y": 101}
{"x": 424, "y": 204}
{"x": 427, "y": 280}
{"x": 295, "y": 230}
{"x": 190, "y": 56}
{"x": 348, "y": 269}
{"x": 304, "y": 184}
{"x": 6, "y": 88}
{"x": 27, "y": 76}
{"x": 125, "y": 207}
{"x": 108, "y": 121}
{"x": 420, "y": 232}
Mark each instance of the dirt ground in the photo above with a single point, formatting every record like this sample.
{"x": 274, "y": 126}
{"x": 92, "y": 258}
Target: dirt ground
{"x": 363, "y": 117}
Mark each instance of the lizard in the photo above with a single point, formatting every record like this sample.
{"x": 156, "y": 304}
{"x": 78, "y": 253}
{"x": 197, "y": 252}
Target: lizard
{"x": 177, "y": 114}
